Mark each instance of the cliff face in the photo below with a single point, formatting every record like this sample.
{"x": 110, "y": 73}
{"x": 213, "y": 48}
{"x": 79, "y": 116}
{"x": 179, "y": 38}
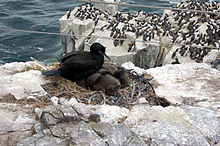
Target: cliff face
{"x": 150, "y": 39}
{"x": 30, "y": 116}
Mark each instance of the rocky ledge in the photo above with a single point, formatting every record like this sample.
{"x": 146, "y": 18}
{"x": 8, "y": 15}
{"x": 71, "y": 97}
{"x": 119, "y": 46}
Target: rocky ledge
{"x": 147, "y": 40}
{"x": 30, "y": 116}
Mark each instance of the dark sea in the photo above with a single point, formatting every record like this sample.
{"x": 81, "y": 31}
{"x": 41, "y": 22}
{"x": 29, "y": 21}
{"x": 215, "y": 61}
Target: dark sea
{"x": 43, "y": 15}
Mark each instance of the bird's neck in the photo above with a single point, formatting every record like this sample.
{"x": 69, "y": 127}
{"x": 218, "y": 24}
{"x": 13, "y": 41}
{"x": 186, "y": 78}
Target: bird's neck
{"x": 99, "y": 59}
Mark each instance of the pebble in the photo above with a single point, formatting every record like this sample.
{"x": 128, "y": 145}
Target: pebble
{"x": 55, "y": 100}
{"x": 31, "y": 99}
{"x": 63, "y": 101}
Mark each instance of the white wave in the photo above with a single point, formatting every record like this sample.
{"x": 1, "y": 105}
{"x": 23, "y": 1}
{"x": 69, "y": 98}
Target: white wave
{"x": 171, "y": 1}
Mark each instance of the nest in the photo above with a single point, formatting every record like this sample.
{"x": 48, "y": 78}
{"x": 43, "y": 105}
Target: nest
{"x": 139, "y": 87}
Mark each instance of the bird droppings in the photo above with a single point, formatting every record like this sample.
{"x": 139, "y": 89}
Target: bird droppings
{"x": 138, "y": 87}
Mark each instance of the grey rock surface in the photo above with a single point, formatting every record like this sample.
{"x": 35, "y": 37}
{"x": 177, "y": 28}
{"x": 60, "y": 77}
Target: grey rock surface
{"x": 190, "y": 83}
{"x": 117, "y": 134}
{"x": 16, "y": 81}
{"x": 184, "y": 125}
{"x": 16, "y": 123}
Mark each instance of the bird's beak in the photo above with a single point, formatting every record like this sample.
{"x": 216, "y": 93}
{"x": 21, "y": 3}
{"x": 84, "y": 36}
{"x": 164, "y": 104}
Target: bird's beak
{"x": 104, "y": 55}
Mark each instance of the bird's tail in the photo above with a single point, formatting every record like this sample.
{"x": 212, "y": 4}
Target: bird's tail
{"x": 50, "y": 72}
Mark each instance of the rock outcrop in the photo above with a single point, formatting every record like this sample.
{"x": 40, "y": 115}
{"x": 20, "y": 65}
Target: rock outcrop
{"x": 189, "y": 84}
{"x": 16, "y": 123}
{"x": 16, "y": 81}
{"x": 191, "y": 118}
{"x": 147, "y": 40}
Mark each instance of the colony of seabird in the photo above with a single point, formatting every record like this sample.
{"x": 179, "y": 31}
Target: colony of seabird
{"x": 87, "y": 11}
{"x": 196, "y": 29}
{"x": 182, "y": 27}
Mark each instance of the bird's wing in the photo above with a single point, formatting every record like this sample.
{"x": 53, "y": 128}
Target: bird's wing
{"x": 79, "y": 64}
{"x": 69, "y": 55}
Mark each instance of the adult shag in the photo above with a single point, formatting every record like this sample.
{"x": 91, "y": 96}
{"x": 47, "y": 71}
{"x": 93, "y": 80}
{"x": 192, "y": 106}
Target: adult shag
{"x": 80, "y": 64}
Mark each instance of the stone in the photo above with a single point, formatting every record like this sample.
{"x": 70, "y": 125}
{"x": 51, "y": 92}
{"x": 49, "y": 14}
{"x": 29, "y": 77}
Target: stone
{"x": 184, "y": 125}
{"x": 22, "y": 84}
{"x": 147, "y": 54}
{"x": 38, "y": 127}
{"x": 191, "y": 83}
{"x": 84, "y": 110}
{"x": 142, "y": 100}
{"x": 131, "y": 66}
{"x": 16, "y": 67}
{"x": 52, "y": 115}
{"x": 54, "y": 100}
{"x": 41, "y": 139}
{"x": 111, "y": 9}
{"x": 117, "y": 134}
{"x": 38, "y": 113}
{"x": 111, "y": 114}
{"x": 31, "y": 99}
{"x": 66, "y": 134}
{"x": 94, "y": 117}
{"x": 63, "y": 101}
{"x": 213, "y": 59}
{"x": 16, "y": 123}
{"x": 79, "y": 29}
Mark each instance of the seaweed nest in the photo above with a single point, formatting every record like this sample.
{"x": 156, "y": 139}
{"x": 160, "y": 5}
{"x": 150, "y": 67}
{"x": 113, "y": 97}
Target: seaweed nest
{"x": 139, "y": 87}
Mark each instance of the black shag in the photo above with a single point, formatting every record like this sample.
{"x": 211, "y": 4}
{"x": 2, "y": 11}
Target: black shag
{"x": 80, "y": 64}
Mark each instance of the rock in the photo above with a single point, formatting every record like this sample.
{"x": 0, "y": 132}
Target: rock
{"x": 56, "y": 114}
{"x": 94, "y": 117}
{"x": 16, "y": 123}
{"x": 31, "y": 99}
{"x": 212, "y": 58}
{"x": 16, "y": 67}
{"x": 63, "y": 101}
{"x": 38, "y": 113}
{"x": 66, "y": 134}
{"x": 78, "y": 28}
{"x": 131, "y": 66}
{"x": 191, "y": 83}
{"x": 216, "y": 62}
{"x": 81, "y": 24}
{"x": 184, "y": 125}
{"x": 147, "y": 40}
{"x": 41, "y": 139}
{"x": 117, "y": 134}
{"x": 20, "y": 84}
{"x": 38, "y": 127}
{"x": 147, "y": 54}
{"x": 83, "y": 109}
{"x": 54, "y": 100}
{"x": 111, "y": 114}
{"x": 111, "y": 9}
{"x": 142, "y": 100}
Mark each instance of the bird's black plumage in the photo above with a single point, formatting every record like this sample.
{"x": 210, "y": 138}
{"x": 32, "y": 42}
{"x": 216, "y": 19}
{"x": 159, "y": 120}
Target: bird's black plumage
{"x": 80, "y": 64}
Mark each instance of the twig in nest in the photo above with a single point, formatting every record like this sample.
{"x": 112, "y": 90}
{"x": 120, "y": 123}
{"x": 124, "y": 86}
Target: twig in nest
{"x": 103, "y": 95}
{"x": 39, "y": 63}
{"x": 68, "y": 90}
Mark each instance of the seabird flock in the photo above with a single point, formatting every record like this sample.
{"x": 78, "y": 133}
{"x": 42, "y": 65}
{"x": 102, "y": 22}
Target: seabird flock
{"x": 182, "y": 27}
